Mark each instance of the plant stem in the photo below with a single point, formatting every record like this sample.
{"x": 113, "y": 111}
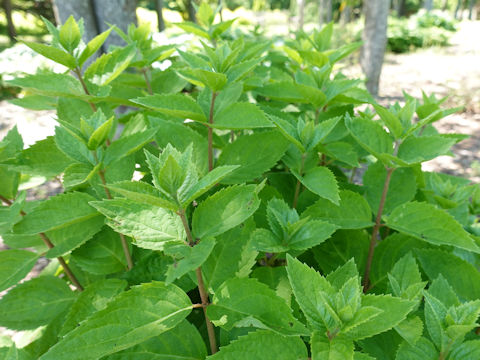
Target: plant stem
{"x": 147, "y": 81}
{"x": 299, "y": 184}
{"x": 210, "y": 133}
{"x": 78, "y": 72}
{"x": 376, "y": 227}
{"x": 201, "y": 286}
{"x": 50, "y": 245}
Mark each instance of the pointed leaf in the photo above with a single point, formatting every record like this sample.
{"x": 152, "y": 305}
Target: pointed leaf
{"x": 321, "y": 181}
{"x": 14, "y": 266}
{"x": 128, "y": 145}
{"x": 419, "y": 149}
{"x": 50, "y": 84}
{"x": 241, "y": 116}
{"x": 52, "y": 53}
{"x": 93, "y": 45}
{"x": 423, "y": 349}
{"x": 142, "y": 192}
{"x": 173, "y": 104}
{"x": 69, "y": 34}
{"x": 335, "y": 349}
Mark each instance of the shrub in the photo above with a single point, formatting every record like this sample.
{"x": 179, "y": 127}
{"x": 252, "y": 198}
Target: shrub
{"x": 243, "y": 229}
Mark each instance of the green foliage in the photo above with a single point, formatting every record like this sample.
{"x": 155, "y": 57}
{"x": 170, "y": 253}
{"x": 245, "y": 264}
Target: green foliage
{"x": 219, "y": 211}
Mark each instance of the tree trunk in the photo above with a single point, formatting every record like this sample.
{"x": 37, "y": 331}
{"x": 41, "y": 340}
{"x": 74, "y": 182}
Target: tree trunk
{"x": 374, "y": 41}
{"x": 428, "y": 5}
{"x": 346, "y": 15}
{"x": 301, "y": 14}
{"x": 471, "y": 4}
{"x": 7, "y": 6}
{"x": 328, "y": 11}
{"x": 457, "y": 8}
{"x": 161, "y": 21}
{"x": 191, "y": 11}
{"x": 401, "y": 7}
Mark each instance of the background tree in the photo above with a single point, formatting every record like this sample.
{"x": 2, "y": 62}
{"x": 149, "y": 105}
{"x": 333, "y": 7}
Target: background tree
{"x": 7, "y": 6}
{"x": 374, "y": 41}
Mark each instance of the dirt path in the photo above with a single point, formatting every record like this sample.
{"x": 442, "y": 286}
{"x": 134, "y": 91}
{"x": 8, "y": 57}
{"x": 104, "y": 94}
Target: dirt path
{"x": 452, "y": 71}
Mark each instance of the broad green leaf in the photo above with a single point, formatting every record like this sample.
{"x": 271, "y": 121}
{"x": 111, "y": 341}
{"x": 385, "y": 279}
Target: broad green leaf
{"x": 461, "y": 275}
{"x": 253, "y": 160}
{"x": 204, "y": 78}
{"x": 428, "y": 223}
{"x": 283, "y": 91}
{"x": 334, "y": 349}
{"x": 231, "y": 257}
{"x": 142, "y": 192}
{"x": 101, "y": 255}
{"x": 264, "y": 345}
{"x": 52, "y": 53}
{"x": 418, "y": 149}
{"x": 35, "y": 303}
{"x": 35, "y": 102}
{"x": 128, "y": 145}
{"x": 468, "y": 350}
{"x": 312, "y": 95}
{"x": 224, "y": 210}
{"x": 14, "y": 266}
{"x": 93, "y": 45}
{"x": 395, "y": 310}
{"x": 390, "y": 120}
{"x": 402, "y": 187}
{"x": 435, "y": 313}
{"x": 132, "y": 317}
{"x": 404, "y": 274}
{"x": 50, "y": 84}
{"x": 70, "y": 35}
{"x": 423, "y": 349}
{"x": 241, "y": 116}
{"x": 191, "y": 258}
{"x": 109, "y": 66}
{"x": 60, "y": 211}
{"x": 247, "y": 302}
{"x": 173, "y": 104}
{"x": 311, "y": 291}
{"x": 77, "y": 175}
{"x": 193, "y": 28}
{"x": 11, "y": 144}
{"x": 321, "y": 181}
{"x": 13, "y": 353}
{"x": 411, "y": 329}
{"x": 183, "y": 342}
{"x": 94, "y": 298}
{"x": 276, "y": 278}
{"x": 288, "y": 130}
{"x": 353, "y": 211}
{"x": 151, "y": 226}
{"x": 100, "y": 134}
{"x": 72, "y": 146}
{"x": 240, "y": 70}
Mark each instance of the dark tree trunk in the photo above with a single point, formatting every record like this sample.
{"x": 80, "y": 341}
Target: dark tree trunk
{"x": 161, "y": 21}
{"x": 401, "y": 8}
{"x": 457, "y": 9}
{"x": 428, "y": 5}
{"x": 191, "y": 11}
{"x": 7, "y": 6}
{"x": 471, "y": 4}
{"x": 374, "y": 41}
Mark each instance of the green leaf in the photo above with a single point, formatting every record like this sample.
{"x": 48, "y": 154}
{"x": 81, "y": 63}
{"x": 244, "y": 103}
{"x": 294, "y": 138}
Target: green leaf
{"x": 467, "y": 350}
{"x": 60, "y": 211}
{"x": 224, "y": 210}
{"x": 173, "y": 104}
{"x": 70, "y": 35}
{"x": 183, "y": 342}
{"x": 132, "y": 317}
{"x": 141, "y": 192}
{"x": 101, "y": 255}
{"x": 410, "y": 329}
{"x": 92, "y": 46}
{"x": 428, "y": 223}
{"x": 404, "y": 274}
{"x": 204, "y": 78}
{"x": 264, "y": 345}
{"x": 151, "y": 226}
{"x": 419, "y": 149}
{"x": 191, "y": 258}
{"x": 52, "y": 53}
{"x": 335, "y": 349}
{"x": 390, "y": 120}
{"x": 402, "y": 187}
{"x": 127, "y": 145}
{"x": 231, "y": 257}
{"x": 311, "y": 291}
{"x": 100, "y": 134}
{"x": 109, "y": 66}
{"x": 247, "y": 302}
{"x": 253, "y": 160}
{"x": 352, "y": 212}
{"x": 283, "y": 91}
{"x": 423, "y": 349}
{"x": 193, "y": 28}
{"x": 50, "y": 84}
{"x": 73, "y": 146}
{"x": 14, "y": 266}
{"x": 461, "y": 275}
{"x": 35, "y": 303}
{"x": 94, "y": 298}
{"x": 241, "y": 116}
{"x": 77, "y": 175}
{"x": 321, "y": 181}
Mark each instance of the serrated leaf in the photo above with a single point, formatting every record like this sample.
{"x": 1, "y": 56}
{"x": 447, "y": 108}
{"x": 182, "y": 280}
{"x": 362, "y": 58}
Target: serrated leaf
{"x": 93, "y": 45}
{"x": 100, "y": 134}
{"x": 264, "y": 345}
{"x": 241, "y": 116}
{"x": 334, "y": 349}
{"x": 422, "y": 350}
{"x": 151, "y": 226}
{"x": 253, "y": 160}
{"x": 128, "y": 145}
{"x": 173, "y": 104}
{"x": 101, "y": 255}
{"x": 410, "y": 329}
{"x": 283, "y": 91}
{"x": 94, "y": 298}
{"x": 402, "y": 187}
{"x": 467, "y": 350}
{"x": 14, "y": 266}
{"x": 142, "y": 192}
{"x": 462, "y": 276}
{"x": 57, "y": 212}
{"x": 428, "y": 223}
{"x": 77, "y": 175}
{"x": 353, "y": 211}
{"x": 52, "y": 53}
{"x": 224, "y": 210}
{"x": 50, "y": 84}
{"x": 69, "y": 34}
{"x": 404, "y": 273}
{"x": 109, "y": 66}
{"x": 35, "y": 303}
{"x": 183, "y": 342}
{"x": 192, "y": 258}
{"x": 72, "y": 146}
{"x": 321, "y": 181}
{"x": 390, "y": 120}
{"x": 132, "y": 317}
{"x": 205, "y": 78}
{"x": 419, "y": 149}
{"x": 247, "y": 302}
